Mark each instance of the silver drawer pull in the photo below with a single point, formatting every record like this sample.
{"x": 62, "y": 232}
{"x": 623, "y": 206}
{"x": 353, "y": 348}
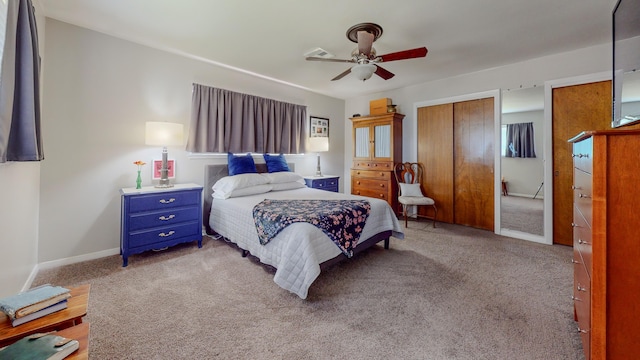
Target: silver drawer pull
{"x": 584, "y": 196}
{"x": 580, "y": 155}
{"x": 167, "y": 234}
{"x": 575, "y": 298}
{"x": 574, "y": 261}
{"x": 580, "y": 288}
{"x": 575, "y": 187}
{"x": 163, "y": 201}
{"x": 583, "y": 242}
{"x": 165, "y": 218}
{"x": 575, "y": 225}
{"x": 582, "y": 331}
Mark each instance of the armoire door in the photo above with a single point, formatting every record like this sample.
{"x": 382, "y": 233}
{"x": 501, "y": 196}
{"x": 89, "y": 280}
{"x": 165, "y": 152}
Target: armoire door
{"x": 576, "y": 108}
{"x": 473, "y": 124}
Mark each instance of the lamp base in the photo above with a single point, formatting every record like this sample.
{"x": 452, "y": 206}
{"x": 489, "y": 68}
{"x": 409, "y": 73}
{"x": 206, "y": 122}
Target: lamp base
{"x": 164, "y": 185}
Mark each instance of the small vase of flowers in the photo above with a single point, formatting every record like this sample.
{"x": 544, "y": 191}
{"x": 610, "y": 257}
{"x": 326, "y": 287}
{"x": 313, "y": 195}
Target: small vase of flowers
{"x": 139, "y": 163}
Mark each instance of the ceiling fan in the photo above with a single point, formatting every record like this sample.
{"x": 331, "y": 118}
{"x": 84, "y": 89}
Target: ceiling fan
{"x": 365, "y": 57}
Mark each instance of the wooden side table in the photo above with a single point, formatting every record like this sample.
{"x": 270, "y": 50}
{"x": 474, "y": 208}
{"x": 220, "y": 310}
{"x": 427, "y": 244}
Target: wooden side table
{"x": 72, "y": 315}
{"x": 81, "y": 333}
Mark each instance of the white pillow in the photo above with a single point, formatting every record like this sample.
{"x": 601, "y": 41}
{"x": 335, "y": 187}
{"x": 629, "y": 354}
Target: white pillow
{"x": 281, "y": 177}
{"x": 410, "y": 190}
{"x": 252, "y": 190}
{"x": 287, "y": 186}
{"x": 229, "y": 183}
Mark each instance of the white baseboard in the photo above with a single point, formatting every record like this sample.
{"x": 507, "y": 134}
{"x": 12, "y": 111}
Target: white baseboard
{"x": 76, "y": 259}
{"x": 32, "y": 276}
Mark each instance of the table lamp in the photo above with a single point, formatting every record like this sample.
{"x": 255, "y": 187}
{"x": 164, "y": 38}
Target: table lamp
{"x": 163, "y": 134}
{"x": 318, "y": 145}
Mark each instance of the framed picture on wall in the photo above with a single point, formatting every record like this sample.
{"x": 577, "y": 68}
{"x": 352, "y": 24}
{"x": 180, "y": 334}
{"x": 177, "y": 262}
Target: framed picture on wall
{"x": 157, "y": 167}
{"x": 318, "y": 127}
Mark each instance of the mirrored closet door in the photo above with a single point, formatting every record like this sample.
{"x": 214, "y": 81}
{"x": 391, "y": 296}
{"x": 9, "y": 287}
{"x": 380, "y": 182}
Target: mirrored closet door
{"x": 522, "y": 164}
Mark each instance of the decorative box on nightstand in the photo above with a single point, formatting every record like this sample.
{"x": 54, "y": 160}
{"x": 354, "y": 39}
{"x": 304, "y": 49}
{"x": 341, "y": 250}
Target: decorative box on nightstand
{"x": 155, "y": 218}
{"x": 324, "y": 182}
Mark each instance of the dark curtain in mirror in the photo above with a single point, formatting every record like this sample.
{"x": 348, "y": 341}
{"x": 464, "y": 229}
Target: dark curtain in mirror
{"x": 520, "y": 141}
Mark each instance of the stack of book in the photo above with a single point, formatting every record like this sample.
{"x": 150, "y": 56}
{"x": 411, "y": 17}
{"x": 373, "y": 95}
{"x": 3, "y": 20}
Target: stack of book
{"x": 34, "y": 303}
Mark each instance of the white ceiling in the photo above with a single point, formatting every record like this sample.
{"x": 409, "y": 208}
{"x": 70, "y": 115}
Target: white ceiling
{"x": 270, "y": 37}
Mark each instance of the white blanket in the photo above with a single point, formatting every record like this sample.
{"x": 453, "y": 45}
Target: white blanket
{"x": 297, "y": 251}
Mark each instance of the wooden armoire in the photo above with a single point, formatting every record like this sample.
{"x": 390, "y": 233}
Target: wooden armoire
{"x": 377, "y": 146}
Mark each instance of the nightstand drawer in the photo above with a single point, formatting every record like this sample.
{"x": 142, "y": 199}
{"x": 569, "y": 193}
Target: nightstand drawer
{"x": 159, "y": 235}
{"x": 166, "y": 200}
{"x": 146, "y": 220}
{"x": 328, "y": 183}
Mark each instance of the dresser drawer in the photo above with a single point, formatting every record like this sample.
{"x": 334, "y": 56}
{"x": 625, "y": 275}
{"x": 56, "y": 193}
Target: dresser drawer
{"x": 373, "y": 165}
{"x": 148, "y": 237}
{"x": 371, "y": 184}
{"x": 164, "y": 200}
{"x": 582, "y": 303}
{"x": 145, "y": 220}
{"x": 379, "y": 194}
{"x": 371, "y": 174}
{"x": 582, "y": 239}
{"x": 582, "y": 194}
{"x": 582, "y": 155}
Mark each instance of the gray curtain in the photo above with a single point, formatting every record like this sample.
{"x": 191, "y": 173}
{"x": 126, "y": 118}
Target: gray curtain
{"x": 520, "y": 141}
{"x": 20, "y": 138}
{"x": 226, "y": 121}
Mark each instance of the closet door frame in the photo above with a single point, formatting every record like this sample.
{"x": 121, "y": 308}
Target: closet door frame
{"x": 497, "y": 105}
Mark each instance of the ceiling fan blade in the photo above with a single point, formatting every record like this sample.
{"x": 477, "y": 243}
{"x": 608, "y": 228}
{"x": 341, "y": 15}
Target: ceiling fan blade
{"x": 406, "y": 54}
{"x": 311, "y": 58}
{"x": 345, "y": 73}
{"x": 365, "y": 40}
{"x": 384, "y": 73}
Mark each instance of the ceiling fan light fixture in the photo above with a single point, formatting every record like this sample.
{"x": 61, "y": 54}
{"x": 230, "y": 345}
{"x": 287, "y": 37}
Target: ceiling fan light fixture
{"x": 363, "y": 71}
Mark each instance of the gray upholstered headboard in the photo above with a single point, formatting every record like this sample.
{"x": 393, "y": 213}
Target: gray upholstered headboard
{"x": 213, "y": 173}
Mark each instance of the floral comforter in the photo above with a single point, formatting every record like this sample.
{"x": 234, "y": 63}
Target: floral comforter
{"x": 341, "y": 220}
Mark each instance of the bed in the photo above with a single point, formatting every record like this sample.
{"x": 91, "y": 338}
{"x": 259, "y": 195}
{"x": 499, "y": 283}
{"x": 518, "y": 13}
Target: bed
{"x": 301, "y": 250}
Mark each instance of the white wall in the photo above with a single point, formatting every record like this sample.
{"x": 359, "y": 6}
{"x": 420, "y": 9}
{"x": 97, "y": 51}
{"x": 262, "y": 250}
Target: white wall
{"x": 524, "y": 74}
{"x": 20, "y": 194}
{"x": 99, "y": 93}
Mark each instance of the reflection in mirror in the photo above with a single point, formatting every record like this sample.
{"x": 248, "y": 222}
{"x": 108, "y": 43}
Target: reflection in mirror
{"x": 521, "y": 204}
{"x": 630, "y": 109}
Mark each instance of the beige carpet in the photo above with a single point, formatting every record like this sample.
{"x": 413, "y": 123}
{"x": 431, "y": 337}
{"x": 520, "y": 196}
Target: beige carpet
{"x": 446, "y": 293}
{"x": 522, "y": 214}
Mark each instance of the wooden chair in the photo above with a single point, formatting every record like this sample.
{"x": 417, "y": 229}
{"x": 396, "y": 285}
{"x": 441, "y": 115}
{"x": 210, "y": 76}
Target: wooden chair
{"x": 409, "y": 178}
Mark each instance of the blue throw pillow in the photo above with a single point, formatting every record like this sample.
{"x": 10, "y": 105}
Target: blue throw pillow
{"x": 276, "y": 163}
{"x": 241, "y": 164}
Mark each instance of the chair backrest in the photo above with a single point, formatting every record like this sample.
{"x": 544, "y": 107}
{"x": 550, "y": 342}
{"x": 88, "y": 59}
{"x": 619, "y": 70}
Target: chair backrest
{"x": 408, "y": 172}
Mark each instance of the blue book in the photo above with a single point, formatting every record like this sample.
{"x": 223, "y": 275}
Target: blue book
{"x": 40, "y": 313}
{"x": 32, "y": 300}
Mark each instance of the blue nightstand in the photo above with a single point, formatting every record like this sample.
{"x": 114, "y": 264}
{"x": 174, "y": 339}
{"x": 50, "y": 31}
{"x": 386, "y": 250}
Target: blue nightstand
{"x": 325, "y": 182}
{"x": 155, "y": 218}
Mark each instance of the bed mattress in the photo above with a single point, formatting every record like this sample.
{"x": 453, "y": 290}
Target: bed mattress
{"x": 297, "y": 251}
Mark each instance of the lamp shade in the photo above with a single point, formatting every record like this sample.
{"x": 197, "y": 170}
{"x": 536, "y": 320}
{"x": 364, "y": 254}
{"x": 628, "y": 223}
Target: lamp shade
{"x": 318, "y": 144}
{"x": 163, "y": 133}
{"x": 363, "y": 71}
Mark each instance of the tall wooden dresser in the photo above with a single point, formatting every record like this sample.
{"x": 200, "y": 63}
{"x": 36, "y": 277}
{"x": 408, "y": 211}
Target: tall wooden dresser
{"x": 606, "y": 243}
{"x": 377, "y": 146}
